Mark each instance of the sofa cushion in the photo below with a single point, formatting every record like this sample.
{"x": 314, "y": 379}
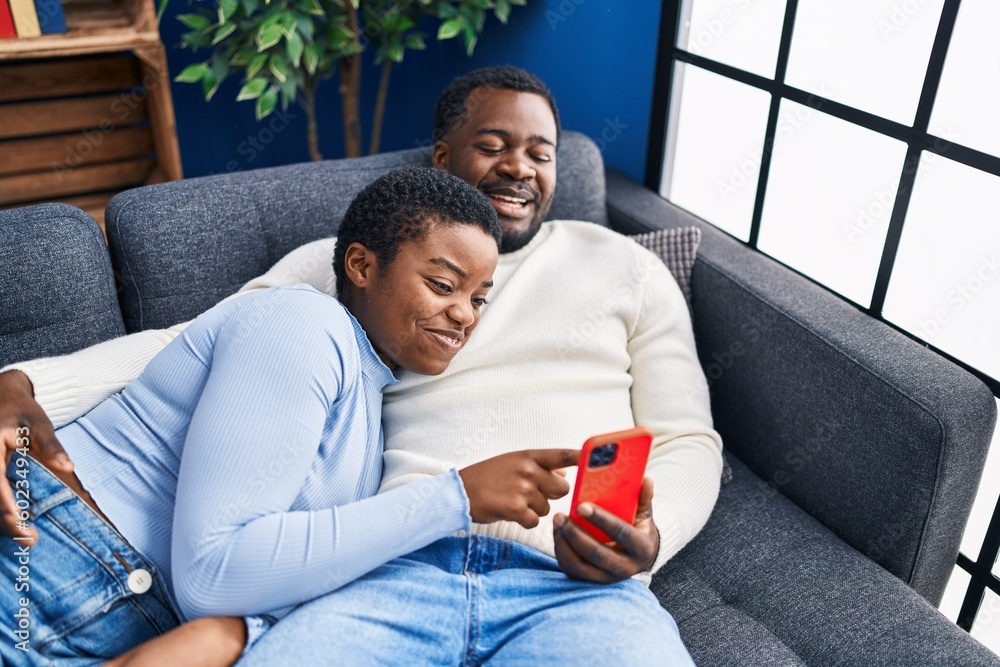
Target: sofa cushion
{"x": 677, "y": 248}
{"x": 55, "y": 277}
{"x": 242, "y": 223}
{"x": 765, "y": 584}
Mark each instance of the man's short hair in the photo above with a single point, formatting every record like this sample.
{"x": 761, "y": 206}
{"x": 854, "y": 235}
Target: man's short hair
{"x": 452, "y": 109}
{"x": 401, "y": 206}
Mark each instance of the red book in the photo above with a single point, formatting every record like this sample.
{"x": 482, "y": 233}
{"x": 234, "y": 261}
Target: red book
{"x": 6, "y": 21}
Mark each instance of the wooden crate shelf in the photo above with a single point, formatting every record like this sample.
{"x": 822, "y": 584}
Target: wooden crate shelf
{"x": 87, "y": 113}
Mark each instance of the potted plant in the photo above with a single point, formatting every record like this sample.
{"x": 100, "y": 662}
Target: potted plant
{"x": 283, "y": 49}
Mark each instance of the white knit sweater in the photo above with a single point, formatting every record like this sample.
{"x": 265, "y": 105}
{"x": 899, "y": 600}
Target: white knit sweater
{"x": 586, "y": 332}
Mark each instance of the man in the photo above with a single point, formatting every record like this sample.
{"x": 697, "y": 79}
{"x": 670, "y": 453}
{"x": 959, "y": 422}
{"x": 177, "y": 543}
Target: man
{"x": 519, "y": 384}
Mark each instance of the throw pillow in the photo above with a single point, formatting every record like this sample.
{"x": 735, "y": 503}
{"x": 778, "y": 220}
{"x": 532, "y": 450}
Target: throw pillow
{"x": 677, "y": 249}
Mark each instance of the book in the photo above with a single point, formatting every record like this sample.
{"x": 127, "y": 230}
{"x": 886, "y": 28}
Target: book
{"x": 25, "y": 18}
{"x": 50, "y": 16}
{"x": 7, "y": 28}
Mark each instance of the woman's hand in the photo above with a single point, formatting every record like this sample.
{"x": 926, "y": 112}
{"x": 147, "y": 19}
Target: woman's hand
{"x": 517, "y": 486}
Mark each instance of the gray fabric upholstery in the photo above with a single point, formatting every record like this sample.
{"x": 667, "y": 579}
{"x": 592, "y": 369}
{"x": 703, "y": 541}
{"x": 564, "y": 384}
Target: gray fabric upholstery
{"x": 58, "y": 290}
{"x": 880, "y": 439}
{"x": 677, "y": 248}
{"x": 765, "y": 584}
{"x": 242, "y": 223}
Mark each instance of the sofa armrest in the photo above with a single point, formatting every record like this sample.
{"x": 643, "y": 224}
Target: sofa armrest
{"x": 880, "y": 439}
{"x": 57, "y": 290}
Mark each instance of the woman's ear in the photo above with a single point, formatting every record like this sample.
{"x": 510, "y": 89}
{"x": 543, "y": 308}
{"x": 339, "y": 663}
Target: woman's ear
{"x": 360, "y": 265}
{"x": 439, "y": 155}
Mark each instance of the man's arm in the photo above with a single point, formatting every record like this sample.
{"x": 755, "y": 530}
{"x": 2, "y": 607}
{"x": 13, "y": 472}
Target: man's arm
{"x": 68, "y": 386}
{"x": 670, "y": 396}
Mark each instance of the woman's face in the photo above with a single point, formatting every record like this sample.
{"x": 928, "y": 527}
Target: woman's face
{"x": 420, "y": 311}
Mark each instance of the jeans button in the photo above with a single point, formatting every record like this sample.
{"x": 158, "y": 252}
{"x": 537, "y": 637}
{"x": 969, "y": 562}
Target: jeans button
{"x": 139, "y": 581}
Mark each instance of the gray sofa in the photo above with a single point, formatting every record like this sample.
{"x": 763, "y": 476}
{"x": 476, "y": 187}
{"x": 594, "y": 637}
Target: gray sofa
{"x": 856, "y": 452}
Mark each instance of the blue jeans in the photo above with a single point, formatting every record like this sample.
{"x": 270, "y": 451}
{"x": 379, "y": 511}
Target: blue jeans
{"x": 67, "y": 599}
{"x": 470, "y": 601}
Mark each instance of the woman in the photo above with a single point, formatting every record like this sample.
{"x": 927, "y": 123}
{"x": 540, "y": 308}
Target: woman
{"x": 234, "y": 478}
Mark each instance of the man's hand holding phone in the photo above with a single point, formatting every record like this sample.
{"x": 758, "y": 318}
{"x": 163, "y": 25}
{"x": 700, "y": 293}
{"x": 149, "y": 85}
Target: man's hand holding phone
{"x": 633, "y": 550}
{"x": 609, "y": 534}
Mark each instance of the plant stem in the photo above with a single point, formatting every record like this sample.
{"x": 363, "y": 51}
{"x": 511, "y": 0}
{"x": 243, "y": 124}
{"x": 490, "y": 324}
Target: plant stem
{"x": 350, "y": 92}
{"x": 312, "y": 132}
{"x": 383, "y": 94}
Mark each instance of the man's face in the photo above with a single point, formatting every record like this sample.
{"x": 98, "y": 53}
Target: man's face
{"x": 507, "y": 149}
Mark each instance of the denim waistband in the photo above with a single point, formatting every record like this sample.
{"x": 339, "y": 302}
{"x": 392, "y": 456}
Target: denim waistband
{"x": 482, "y": 554}
{"x": 99, "y": 549}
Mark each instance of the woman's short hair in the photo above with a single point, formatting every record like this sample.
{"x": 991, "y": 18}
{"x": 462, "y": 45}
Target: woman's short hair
{"x": 401, "y": 206}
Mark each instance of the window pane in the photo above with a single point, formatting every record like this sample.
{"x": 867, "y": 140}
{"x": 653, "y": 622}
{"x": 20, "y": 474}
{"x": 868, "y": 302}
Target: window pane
{"x": 718, "y": 140}
{"x": 826, "y": 212}
{"x": 987, "y": 626}
{"x": 968, "y": 101}
{"x": 870, "y": 54}
{"x": 954, "y": 594}
{"x": 945, "y": 285}
{"x": 740, "y": 33}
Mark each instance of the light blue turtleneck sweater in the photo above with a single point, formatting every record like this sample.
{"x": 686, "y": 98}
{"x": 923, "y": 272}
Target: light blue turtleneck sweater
{"x": 243, "y": 462}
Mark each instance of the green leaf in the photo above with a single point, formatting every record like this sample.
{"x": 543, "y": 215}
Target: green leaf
{"x": 266, "y": 103}
{"x": 279, "y": 68}
{"x": 287, "y": 22}
{"x": 502, "y": 11}
{"x": 395, "y": 53}
{"x": 252, "y": 89}
{"x": 209, "y": 84}
{"x": 312, "y": 54}
{"x": 256, "y": 63}
{"x": 470, "y": 40}
{"x": 405, "y": 23}
{"x": 250, "y": 6}
{"x": 192, "y": 73}
{"x": 415, "y": 42}
{"x": 295, "y": 45}
{"x": 226, "y": 9}
{"x": 224, "y": 31}
{"x": 289, "y": 90}
{"x": 268, "y": 36}
{"x": 450, "y": 28}
{"x": 220, "y": 66}
{"x": 240, "y": 58}
{"x": 195, "y": 21}
{"x": 313, "y": 7}
{"x": 306, "y": 27}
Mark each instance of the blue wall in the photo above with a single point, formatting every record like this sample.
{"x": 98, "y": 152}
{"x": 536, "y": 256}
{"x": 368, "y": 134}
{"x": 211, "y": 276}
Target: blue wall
{"x": 597, "y": 56}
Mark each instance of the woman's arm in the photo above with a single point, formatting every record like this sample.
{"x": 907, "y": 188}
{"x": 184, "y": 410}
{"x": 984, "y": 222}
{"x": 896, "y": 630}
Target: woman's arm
{"x": 276, "y": 373}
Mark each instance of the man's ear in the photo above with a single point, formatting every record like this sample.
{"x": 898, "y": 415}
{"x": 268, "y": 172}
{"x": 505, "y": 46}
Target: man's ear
{"x": 360, "y": 265}
{"x": 440, "y": 155}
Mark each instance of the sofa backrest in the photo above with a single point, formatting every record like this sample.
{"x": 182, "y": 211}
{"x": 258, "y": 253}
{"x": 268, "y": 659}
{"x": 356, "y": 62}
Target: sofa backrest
{"x": 181, "y": 247}
{"x": 57, "y": 292}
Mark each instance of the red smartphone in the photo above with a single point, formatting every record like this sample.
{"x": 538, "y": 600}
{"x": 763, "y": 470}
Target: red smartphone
{"x": 610, "y": 475}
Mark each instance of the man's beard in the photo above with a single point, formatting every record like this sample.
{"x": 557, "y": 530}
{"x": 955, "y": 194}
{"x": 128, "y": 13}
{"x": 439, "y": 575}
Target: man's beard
{"x": 515, "y": 239}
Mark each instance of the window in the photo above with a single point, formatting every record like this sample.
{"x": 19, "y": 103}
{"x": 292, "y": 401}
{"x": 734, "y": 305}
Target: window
{"x": 886, "y": 114}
